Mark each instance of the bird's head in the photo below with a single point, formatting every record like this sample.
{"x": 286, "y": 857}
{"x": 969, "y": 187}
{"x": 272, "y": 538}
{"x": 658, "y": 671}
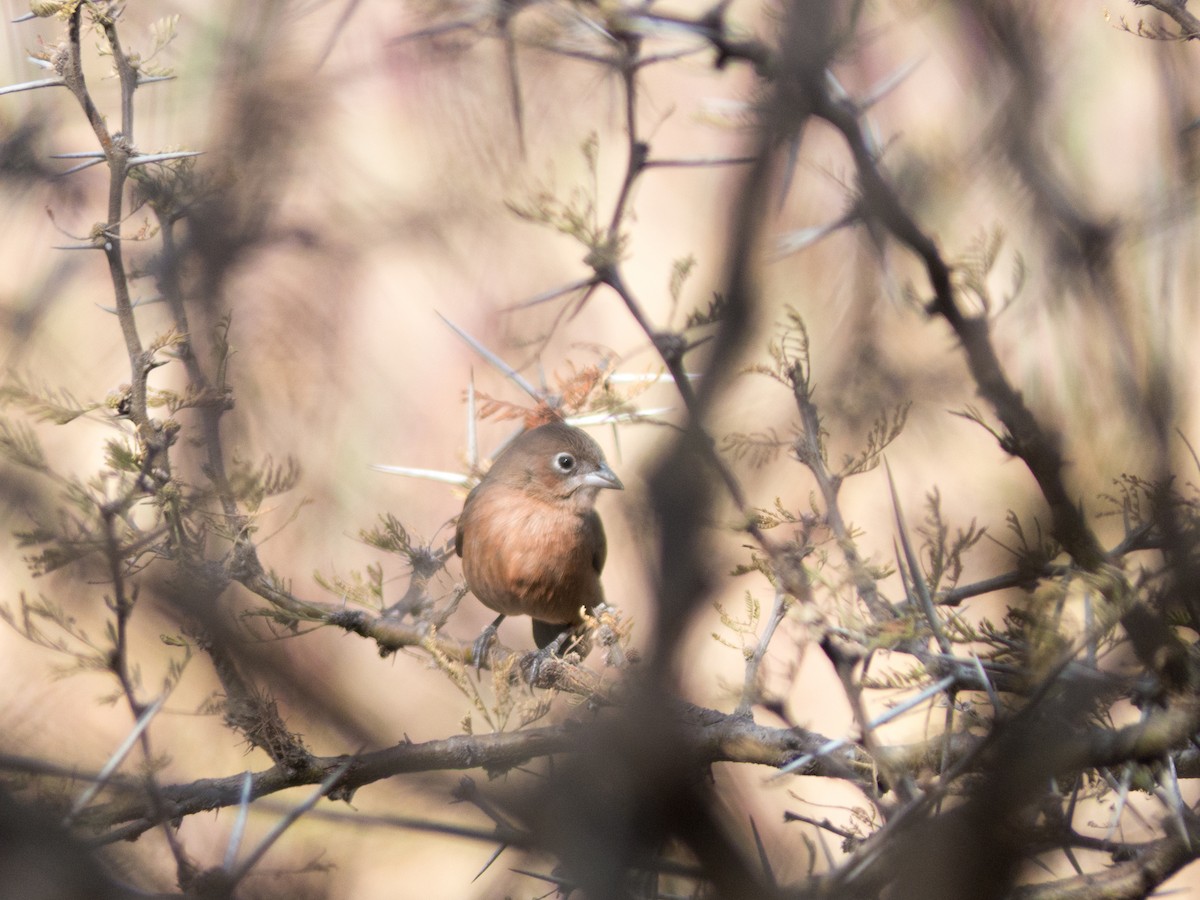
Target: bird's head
{"x": 556, "y": 461}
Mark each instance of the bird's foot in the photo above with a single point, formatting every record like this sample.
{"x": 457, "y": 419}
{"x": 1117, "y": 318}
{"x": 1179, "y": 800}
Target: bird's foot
{"x": 479, "y": 649}
{"x": 569, "y": 640}
{"x": 533, "y": 662}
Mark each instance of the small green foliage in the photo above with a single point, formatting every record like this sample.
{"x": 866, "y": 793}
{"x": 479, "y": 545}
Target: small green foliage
{"x": 170, "y": 187}
{"x": 162, "y": 32}
{"x": 709, "y": 315}
{"x": 357, "y": 588}
{"x": 681, "y": 270}
{"x": 535, "y": 708}
{"x": 1139, "y": 501}
{"x": 576, "y": 215}
{"x": 19, "y": 445}
{"x": 1033, "y": 551}
{"x": 1007, "y": 640}
{"x": 389, "y": 535}
{"x": 71, "y": 536}
{"x": 746, "y": 630}
{"x": 959, "y": 630}
{"x": 223, "y": 351}
{"x": 875, "y": 571}
{"x": 573, "y": 217}
{"x": 914, "y": 676}
{"x": 772, "y": 518}
{"x": 177, "y": 665}
{"x": 973, "y": 414}
{"x": 943, "y": 554}
{"x": 48, "y": 624}
{"x": 789, "y": 354}
{"x": 884, "y": 430}
{"x": 167, "y": 340}
{"x": 973, "y": 270}
{"x": 501, "y": 707}
{"x": 121, "y": 456}
{"x": 1130, "y": 499}
{"x": 254, "y": 485}
{"x": 1150, "y": 31}
{"x": 46, "y": 8}
{"x": 590, "y": 150}
{"x": 758, "y": 563}
{"x": 46, "y": 404}
{"x": 758, "y": 448}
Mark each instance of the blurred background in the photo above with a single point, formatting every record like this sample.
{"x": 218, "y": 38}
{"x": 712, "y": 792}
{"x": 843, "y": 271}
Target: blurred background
{"x": 376, "y": 170}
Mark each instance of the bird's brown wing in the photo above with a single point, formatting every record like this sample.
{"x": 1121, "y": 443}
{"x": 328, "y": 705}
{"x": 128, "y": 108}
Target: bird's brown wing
{"x": 599, "y": 542}
{"x": 463, "y": 517}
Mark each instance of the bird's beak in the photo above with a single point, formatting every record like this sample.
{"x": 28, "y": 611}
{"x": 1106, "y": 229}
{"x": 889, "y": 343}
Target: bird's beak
{"x": 603, "y": 477}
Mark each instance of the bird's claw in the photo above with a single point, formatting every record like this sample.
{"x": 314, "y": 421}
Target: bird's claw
{"x": 533, "y": 662}
{"x": 479, "y": 649}
{"x": 567, "y": 642}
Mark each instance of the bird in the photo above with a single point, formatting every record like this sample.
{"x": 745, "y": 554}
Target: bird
{"x": 529, "y": 535}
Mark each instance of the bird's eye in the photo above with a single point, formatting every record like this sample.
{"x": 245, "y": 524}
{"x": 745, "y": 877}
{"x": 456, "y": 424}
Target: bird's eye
{"x": 564, "y": 462}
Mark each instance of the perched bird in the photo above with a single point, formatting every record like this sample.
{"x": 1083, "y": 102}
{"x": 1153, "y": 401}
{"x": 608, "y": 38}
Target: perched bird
{"x": 529, "y": 535}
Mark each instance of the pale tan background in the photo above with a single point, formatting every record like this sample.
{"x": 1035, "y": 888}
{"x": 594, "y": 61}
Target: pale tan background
{"x": 399, "y": 175}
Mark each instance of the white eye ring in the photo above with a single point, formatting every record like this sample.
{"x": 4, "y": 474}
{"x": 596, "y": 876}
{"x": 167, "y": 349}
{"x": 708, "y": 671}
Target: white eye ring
{"x": 564, "y": 462}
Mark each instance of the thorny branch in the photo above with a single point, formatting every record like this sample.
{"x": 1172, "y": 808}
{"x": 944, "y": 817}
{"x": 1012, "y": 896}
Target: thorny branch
{"x": 1048, "y": 722}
